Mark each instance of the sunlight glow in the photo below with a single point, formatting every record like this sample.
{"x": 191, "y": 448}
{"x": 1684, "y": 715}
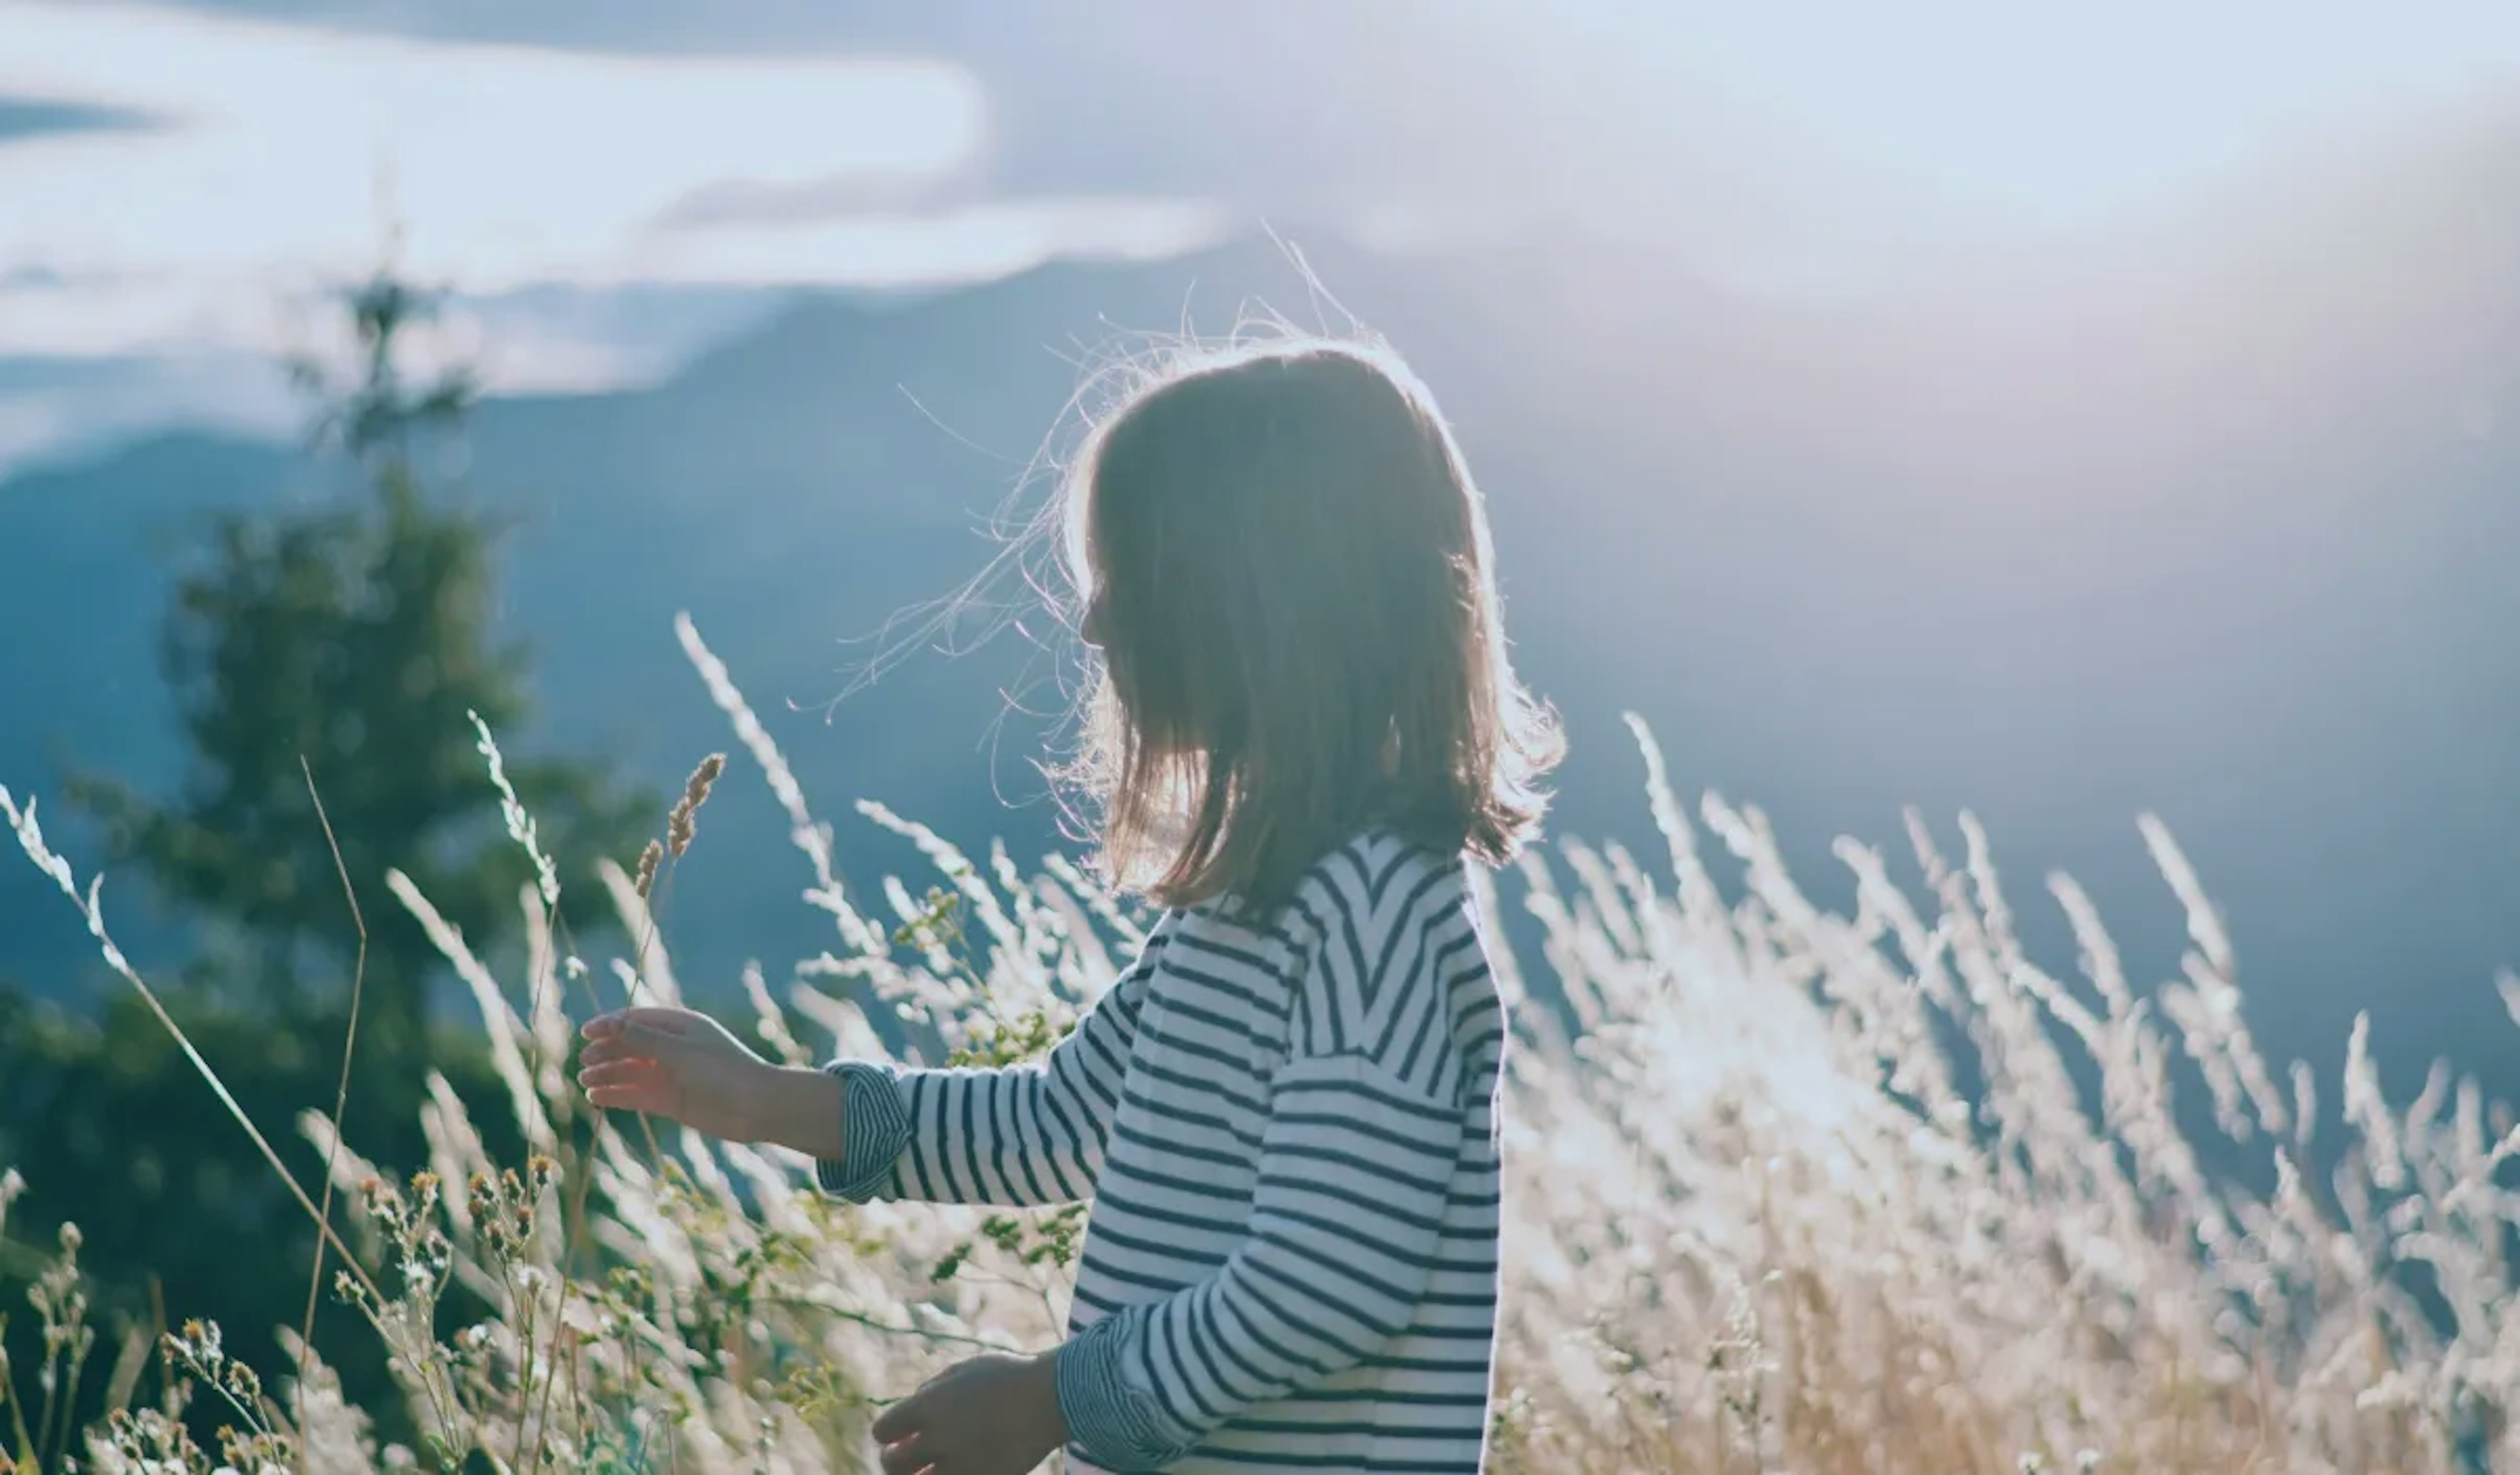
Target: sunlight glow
{"x": 1813, "y": 147}
{"x": 2018, "y": 118}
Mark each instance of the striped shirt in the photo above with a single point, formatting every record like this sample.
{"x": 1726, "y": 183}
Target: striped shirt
{"x": 1289, "y": 1133}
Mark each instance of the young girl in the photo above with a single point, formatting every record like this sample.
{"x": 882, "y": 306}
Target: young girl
{"x": 1285, "y": 1111}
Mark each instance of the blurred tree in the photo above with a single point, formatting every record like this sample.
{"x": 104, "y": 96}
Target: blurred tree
{"x": 350, "y": 640}
{"x": 357, "y": 638}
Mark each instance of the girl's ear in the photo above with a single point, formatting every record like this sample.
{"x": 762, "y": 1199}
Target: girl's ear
{"x": 1094, "y": 627}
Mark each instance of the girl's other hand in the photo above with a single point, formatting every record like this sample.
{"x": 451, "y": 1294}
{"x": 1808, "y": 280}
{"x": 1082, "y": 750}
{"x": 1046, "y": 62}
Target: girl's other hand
{"x": 990, "y": 1415}
{"x": 680, "y": 1064}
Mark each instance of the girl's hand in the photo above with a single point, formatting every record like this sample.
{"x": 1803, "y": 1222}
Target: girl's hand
{"x": 681, "y": 1065}
{"x": 990, "y": 1415}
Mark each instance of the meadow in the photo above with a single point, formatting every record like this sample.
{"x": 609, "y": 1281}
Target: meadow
{"x": 1789, "y": 1189}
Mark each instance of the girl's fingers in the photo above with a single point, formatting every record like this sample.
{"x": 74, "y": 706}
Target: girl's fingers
{"x": 640, "y": 1037}
{"x": 635, "y": 1043}
{"x": 620, "y": 1021}
{"x": 906, "y": 1458}
{"x": 898, "y": 1422}
{"x": 604, "y": 1051}
{"x": 640, "y": 1096}
{"x": 617, "y": 1073}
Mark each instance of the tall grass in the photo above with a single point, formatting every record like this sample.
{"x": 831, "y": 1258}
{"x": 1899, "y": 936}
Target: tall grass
{"x": 1789, "y": 1189}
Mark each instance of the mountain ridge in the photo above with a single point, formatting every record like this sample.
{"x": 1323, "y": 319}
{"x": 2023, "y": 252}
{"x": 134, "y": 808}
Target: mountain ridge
{"x": 2282, "y": 639}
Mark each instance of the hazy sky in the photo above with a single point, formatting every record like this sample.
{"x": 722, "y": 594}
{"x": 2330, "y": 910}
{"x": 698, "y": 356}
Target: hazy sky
{"x": 173, "y": 178}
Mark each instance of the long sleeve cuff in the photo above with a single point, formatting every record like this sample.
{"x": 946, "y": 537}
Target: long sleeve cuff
{"x": 1109, "y": 1421}
{"x": 875, "y": 1125}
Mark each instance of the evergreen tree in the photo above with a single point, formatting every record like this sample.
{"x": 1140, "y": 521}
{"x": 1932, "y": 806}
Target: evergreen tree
{"x": 353, "y": 642}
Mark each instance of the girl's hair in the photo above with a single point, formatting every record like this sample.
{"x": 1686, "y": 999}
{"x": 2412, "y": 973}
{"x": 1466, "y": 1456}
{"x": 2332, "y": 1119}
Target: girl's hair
{"x": 1286, "y": 565}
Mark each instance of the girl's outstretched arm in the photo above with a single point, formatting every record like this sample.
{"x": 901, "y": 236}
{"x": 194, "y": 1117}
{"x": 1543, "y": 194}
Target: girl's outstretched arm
{"x": 1020, "y": 1135}
{"x": 1023, "y": 1134}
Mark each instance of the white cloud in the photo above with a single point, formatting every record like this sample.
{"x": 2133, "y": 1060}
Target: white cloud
{"x": 514, "y": 166}
{"x": 1809, "y": 145}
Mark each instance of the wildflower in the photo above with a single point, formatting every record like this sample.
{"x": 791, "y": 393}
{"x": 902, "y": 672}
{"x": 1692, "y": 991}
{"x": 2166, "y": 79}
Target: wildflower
{"x": 243, "y": 1382}
{"x": 682, "y": 823}
{"x": 199, "y": 1344}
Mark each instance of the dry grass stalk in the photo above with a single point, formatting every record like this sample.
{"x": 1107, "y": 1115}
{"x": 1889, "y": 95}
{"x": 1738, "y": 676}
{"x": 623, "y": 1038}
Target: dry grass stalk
{"x": 1754, "y": 1222}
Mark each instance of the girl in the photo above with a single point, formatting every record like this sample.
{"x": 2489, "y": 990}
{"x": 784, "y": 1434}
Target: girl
{"x": 1303, "y": 725}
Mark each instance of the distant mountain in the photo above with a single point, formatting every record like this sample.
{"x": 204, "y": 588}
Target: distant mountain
{"x": 2183, "y": 536}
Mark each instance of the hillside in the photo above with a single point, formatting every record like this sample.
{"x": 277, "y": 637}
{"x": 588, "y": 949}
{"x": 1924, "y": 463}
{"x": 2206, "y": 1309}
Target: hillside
{"x": 2058, "y": 549}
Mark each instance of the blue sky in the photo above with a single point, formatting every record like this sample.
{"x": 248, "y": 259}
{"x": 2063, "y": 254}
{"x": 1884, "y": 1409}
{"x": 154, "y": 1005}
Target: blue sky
{"x": 181, "y": 180}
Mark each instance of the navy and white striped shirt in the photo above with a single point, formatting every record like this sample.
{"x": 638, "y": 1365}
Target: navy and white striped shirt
{"x": 1290, "y": 1135}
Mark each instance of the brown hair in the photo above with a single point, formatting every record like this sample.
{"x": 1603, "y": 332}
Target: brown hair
{"x": 1283, "y": 557}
